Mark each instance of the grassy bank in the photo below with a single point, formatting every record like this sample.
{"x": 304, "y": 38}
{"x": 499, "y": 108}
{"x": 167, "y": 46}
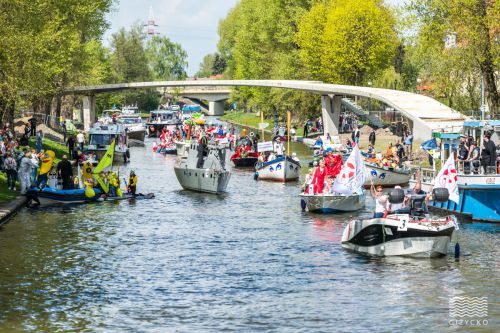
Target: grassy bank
{"x": 48, "y": 144}
{"x": 251, "y": 120}
{"x": 6, "y": 194}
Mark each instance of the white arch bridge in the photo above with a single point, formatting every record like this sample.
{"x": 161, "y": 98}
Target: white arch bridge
{"x": 426, "y": 114}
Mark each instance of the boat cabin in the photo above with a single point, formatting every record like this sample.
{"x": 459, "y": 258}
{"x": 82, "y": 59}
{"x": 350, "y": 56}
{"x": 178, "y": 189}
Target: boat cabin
{"x": 164, "y": 117}
{"x": 101, "y": 136}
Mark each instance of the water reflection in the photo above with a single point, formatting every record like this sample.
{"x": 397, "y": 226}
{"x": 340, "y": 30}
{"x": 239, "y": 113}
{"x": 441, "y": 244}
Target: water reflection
{"x": 249, "y": 260}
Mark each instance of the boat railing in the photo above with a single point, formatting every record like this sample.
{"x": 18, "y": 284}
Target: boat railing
{"x": 463, "y": 168}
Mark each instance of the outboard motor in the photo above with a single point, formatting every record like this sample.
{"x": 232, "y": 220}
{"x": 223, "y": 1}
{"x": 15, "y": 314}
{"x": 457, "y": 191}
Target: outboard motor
{"x": 417, "y": 204}
{"x": 396, "y": 196}
{"x": 440, "y": 194}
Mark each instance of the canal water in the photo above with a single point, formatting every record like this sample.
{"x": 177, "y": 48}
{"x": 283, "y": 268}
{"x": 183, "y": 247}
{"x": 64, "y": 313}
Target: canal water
{"x": 248, "y": 260}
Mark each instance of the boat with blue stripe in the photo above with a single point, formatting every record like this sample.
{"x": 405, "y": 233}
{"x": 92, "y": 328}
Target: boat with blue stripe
{"x": 478, "y": 186}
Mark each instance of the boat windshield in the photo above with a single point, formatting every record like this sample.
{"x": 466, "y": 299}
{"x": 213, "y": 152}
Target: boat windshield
{"x": 131, "y": 120}
{"x": 101, "y": 139}
{"x": 162, "y": 116}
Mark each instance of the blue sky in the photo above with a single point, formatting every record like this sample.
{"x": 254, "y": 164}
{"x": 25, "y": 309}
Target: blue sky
{"x": 192, "y": 23}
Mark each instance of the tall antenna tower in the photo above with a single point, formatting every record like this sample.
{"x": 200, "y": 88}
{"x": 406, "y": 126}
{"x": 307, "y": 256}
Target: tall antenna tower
{"x": 151, "y": 24}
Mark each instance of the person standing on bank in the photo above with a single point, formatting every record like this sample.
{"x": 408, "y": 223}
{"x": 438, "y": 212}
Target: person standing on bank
{"x": 71, "y": 147}
{"x": 39, "y": 138}
{"x": 65, "y": 171}
{"x": 25, "y": 167}
{"x": 10, "y": 166}
{"x": 81, "y": 140}
{"x": 32, "y": 122}
{"x": 372, "y": 137}
{"x": 355, "y": 135}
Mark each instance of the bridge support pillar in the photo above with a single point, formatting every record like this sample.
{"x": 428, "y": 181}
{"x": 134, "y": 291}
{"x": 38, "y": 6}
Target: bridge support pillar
{"x": 88, "y": 111}
{"x": 215, "y": 108}
{"x": 330, "y": 111}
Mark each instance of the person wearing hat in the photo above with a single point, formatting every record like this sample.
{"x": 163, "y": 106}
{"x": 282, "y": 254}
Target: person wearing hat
{"x": 132, "y": 182}
{"x": 65, "y": 171}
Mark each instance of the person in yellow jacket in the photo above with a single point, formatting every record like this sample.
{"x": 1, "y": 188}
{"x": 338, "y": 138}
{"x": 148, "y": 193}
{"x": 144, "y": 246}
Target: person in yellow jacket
{"x": 132, "y": 183}
{"x": 113, "y": 184}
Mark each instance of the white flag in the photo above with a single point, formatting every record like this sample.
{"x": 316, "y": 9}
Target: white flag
{"x": 353, "y": 174}
{"x": 447, "y": 178}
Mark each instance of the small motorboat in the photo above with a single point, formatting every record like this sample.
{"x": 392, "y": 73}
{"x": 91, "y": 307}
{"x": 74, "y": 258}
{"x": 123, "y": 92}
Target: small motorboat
{"x": 412, "y": 234}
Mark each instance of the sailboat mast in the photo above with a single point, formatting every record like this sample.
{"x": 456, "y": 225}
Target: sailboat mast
{"x": 289, "y": 116}
{"x": 262, "y": 125}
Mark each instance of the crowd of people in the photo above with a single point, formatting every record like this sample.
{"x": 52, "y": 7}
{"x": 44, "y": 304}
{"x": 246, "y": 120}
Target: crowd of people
{"x": 470, "y": 156}
{"x": 320, "y": 178}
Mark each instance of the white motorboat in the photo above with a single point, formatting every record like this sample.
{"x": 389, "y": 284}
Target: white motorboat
{"x": 401, "y": 234}
{"x": 203, "y": 174}
{"x": 282, "y": 168}
{"x": 134, "y": 126}
{"x": 101, "y": 136}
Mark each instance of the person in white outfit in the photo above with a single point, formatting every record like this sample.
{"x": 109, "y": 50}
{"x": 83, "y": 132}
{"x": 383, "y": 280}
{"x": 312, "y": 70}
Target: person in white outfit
{"x": 25, "y": 167}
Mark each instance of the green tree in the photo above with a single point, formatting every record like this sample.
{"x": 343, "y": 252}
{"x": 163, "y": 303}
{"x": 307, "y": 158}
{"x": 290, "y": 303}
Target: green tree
{"x": 206, "y": 66}
{"x": 359, "y": 41}
{"x": 42, "y": 47}
{"x": 167, "y": 60}
{"x": 476, "y": 24}
{"x": 129, "y": 61}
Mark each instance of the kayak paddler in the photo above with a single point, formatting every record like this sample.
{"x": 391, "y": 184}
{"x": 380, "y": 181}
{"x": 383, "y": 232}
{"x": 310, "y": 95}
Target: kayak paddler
{"x": 132, "y": 183}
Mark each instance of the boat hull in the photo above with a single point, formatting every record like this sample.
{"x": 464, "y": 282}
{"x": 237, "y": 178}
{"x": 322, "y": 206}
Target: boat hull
{"x": 136, "y": 137}
{"x": 281, "y": 169}
{"x": 50, "y": 197}
{"x": 202, "y": 180}
{"x": 479, "y": 198}
{"x": 326, "y": 204}
{"x": 386, "y": 177}
{"x": 244, "y": 162}
{"x": 397, "y": 236}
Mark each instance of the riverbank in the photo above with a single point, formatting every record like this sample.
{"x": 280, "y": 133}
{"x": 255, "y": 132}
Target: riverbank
{"x": 10, "y": 208}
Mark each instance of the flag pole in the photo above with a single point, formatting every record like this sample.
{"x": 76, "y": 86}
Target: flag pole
{"x": 289, "y": 116}
{"x": 262, "y": 125}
